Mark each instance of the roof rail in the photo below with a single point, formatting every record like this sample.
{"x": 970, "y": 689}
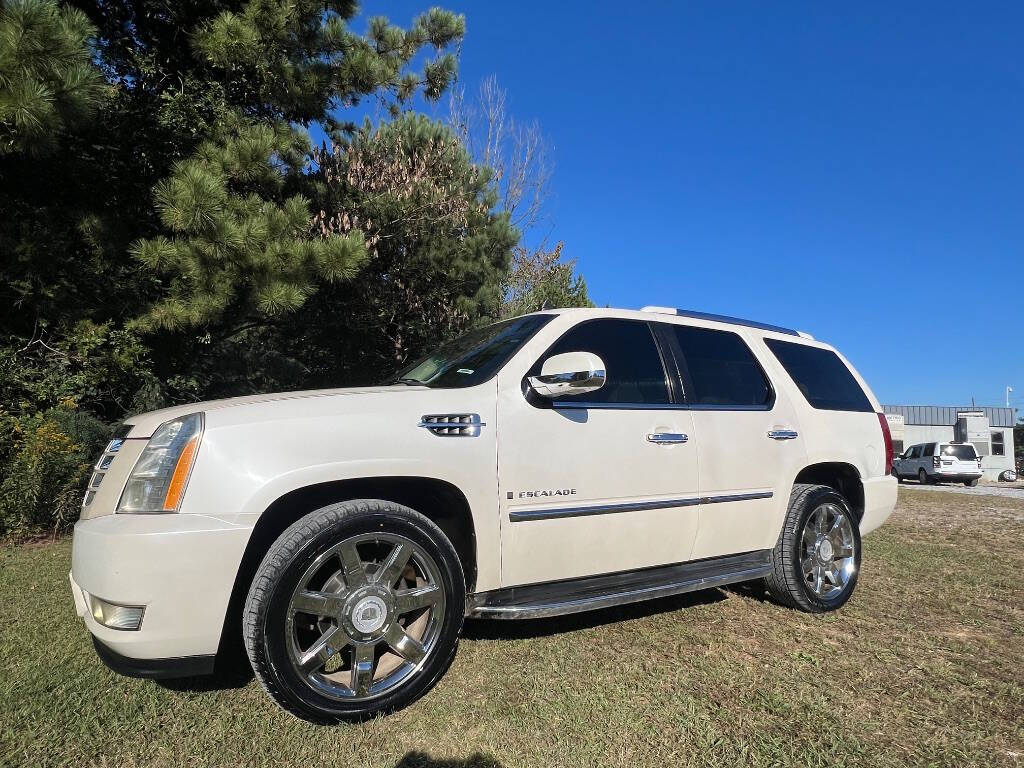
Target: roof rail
{"x": 725, "y": 319}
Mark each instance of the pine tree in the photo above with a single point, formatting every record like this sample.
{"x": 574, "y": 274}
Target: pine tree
{"x": 239, "y": 246}
{"x": 48, "y": 83}
{"x": 541, "y": 278}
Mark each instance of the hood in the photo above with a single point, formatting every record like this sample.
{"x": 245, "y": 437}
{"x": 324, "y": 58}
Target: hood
{"x": 145, "y": 424}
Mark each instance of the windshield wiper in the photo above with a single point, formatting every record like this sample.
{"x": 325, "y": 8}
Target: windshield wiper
{"x": 408, "y": 382}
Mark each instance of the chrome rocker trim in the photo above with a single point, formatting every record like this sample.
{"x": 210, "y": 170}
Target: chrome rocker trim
{"x": 550, "y": 513}
{"x": 556, "y": 598}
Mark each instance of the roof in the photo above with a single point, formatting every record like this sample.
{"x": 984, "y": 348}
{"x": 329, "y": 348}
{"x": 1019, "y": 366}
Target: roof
{"x": 945, "y": 415}
{"x": 720, "y": 319}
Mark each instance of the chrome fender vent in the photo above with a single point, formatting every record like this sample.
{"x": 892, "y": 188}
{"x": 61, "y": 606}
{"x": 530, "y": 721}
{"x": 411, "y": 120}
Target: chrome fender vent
{"x": 452, "y": 424}
{"x": 100, "y": 470}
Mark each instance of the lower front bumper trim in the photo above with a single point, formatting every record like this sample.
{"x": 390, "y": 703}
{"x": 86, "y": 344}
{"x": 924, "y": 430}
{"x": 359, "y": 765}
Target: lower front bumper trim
{"x": 154, "y": 669}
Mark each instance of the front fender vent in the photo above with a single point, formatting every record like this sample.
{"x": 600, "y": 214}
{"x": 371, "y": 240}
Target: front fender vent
{"x": 452, "y": 424}
{"x": 100, "y": 470}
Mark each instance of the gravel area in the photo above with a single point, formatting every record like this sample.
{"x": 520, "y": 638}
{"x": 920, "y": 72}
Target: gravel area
{"x": 1006, "y": 490}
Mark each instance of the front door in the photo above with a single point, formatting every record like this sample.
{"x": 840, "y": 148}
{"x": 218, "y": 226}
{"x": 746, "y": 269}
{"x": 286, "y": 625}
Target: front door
{"x": 601, "y": 482}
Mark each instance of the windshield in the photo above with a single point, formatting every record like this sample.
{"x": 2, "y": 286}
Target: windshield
{"x": 959, "y": 451}
{"x": 473, "y": 357}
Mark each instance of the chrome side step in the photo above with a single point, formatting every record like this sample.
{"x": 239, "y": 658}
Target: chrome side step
{"x": 556, "y": 598}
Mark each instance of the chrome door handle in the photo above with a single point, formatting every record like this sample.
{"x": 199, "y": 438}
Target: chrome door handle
{"x": 667, "y": 438}
{"x": 783, "y": 434}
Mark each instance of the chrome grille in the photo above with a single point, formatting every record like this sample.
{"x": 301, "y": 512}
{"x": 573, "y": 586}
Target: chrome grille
{"x": 452, "y": 424}
{"x": 100, "y": 470}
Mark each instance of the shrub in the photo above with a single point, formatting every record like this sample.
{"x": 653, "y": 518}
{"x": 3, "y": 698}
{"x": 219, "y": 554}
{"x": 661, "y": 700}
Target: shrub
{"x": 45, "y": 462}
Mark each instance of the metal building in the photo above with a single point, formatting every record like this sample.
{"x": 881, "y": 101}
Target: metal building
{"x": 989, "y": 429}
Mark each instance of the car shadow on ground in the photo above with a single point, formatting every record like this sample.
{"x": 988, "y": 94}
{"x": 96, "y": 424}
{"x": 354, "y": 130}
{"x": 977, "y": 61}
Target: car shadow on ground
{"x": 233, "y": 669}
{"x": 423, "y": 760}
{"x": 497, "y": 629}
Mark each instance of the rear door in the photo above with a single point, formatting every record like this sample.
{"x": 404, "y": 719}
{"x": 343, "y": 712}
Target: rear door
{"x": 959, "y": 459}
{"x": 750, "y": 446}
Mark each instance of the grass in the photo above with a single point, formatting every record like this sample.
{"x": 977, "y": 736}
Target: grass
{"x": 924, "y": 666}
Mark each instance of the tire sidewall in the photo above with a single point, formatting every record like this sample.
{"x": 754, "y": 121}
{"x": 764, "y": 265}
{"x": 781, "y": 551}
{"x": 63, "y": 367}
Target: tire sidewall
{"x": 272, "y": 617}
{"x": 807, "y": 597}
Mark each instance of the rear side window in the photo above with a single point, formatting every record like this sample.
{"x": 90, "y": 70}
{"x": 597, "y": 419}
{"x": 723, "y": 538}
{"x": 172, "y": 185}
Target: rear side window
{"x": 823, "y": 378}
{"x": 632, "y": 363}
{"x": 722, "y": 369}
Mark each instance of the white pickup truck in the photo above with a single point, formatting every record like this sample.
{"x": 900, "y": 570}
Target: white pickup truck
{"x": 561, "y": 461}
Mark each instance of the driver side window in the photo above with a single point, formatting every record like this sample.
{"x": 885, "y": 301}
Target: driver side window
{"x": 635, "y": 374}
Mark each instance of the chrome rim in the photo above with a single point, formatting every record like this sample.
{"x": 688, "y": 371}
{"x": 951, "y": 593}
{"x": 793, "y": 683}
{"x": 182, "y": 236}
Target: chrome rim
{"x": 365, "y": 616}
{"x": 827, "y": 551}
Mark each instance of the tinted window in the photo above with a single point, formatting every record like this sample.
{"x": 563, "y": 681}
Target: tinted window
{"x": 929, "y": 449}
{"x": 722, "y": 369}
{"x": 823, "y": 378}
{"x": 473, "y": 357}
{"x": 998, "y": 446}
{"x": 632, "y": 363}
{"x": 966, "y": 452}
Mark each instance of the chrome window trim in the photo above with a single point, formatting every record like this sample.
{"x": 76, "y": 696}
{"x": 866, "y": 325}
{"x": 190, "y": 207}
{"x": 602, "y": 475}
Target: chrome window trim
{"x": 554, "y": 513}
{"x": 558, "y": 404}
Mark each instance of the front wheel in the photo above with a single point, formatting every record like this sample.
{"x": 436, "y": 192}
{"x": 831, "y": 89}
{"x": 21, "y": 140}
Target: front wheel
{"x": 355, "y": 610}
{"x": 817, "y": 558}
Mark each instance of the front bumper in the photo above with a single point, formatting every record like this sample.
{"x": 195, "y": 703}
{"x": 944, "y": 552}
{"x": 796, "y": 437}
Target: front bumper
{"x": 181, "y": 567}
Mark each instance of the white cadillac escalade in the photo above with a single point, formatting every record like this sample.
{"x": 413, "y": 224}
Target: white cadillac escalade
{"x": 562, "y": 461}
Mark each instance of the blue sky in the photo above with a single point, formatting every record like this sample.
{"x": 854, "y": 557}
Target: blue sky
{"x": 856, "y": 172}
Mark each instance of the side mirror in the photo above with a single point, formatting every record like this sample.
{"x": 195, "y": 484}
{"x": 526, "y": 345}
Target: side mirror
{"x": 571, "y": 373}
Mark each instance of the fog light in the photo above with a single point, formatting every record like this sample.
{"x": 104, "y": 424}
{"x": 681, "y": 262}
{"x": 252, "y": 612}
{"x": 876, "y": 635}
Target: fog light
{"x": 126, "y": 617}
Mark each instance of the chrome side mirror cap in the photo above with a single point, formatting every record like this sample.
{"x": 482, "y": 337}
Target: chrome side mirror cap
{"x": 570, "y": 373}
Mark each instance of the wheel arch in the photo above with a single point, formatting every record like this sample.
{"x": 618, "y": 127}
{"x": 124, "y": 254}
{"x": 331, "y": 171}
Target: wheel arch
{"x": 439, "y": 500}
{"x": 841, "y": 477}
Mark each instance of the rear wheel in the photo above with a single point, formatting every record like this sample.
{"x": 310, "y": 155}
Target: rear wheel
{"x": 922, "y": 477}
{"x": 817, "y": 558}
{"x": 355, "y": 610}
{"x": 971, "y": 483}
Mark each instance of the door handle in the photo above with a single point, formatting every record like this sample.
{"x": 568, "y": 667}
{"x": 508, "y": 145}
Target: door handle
{"x": 783, "y": 434}
{"x": 666, "y": 438}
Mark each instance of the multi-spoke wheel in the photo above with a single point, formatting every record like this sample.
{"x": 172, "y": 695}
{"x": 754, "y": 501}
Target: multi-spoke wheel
{"x": 827, "y": 561}
{"x": 355, "y": 610}
{"x": 817, "y": 558}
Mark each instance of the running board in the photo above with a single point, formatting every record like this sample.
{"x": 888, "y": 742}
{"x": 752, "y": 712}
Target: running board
{"x": 555, "y": 598}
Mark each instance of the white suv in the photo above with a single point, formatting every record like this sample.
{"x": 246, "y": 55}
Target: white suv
{"x": 939, "y": 463}
{"x": 558, "y": 462}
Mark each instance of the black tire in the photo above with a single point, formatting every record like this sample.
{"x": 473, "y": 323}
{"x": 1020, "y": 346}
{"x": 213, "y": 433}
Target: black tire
{"x": 786, "y": 583}
{"x": 922, "y": 477}
{"x": 268, "y": 602}
{"x": 971, "y": 483}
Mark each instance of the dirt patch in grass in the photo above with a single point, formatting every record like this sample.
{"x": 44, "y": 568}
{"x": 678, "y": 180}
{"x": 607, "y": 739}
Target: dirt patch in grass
{"x": 925, "y": 665}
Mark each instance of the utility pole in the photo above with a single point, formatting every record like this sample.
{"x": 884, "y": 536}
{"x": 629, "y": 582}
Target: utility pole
{"x": 1008, "y": 391}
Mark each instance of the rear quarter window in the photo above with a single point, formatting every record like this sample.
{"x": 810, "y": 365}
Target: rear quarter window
{"x": 821, "y": 376}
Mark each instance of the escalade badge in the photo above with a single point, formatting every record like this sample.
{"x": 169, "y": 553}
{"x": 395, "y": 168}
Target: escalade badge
{"x": 543, "y": 493}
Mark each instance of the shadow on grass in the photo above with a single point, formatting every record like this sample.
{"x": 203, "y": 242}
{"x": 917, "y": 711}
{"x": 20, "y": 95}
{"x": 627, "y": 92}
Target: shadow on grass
{"x": 229, "y": 673}
{"x": 423, "y": 760}
{"x": 497, "y": 629}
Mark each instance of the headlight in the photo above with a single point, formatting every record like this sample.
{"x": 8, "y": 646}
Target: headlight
{"x": 157, "y": 483}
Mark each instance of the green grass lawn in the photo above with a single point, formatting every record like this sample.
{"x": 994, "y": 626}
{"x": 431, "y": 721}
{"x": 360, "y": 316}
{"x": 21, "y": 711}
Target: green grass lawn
{"x": 925, "y": 665}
